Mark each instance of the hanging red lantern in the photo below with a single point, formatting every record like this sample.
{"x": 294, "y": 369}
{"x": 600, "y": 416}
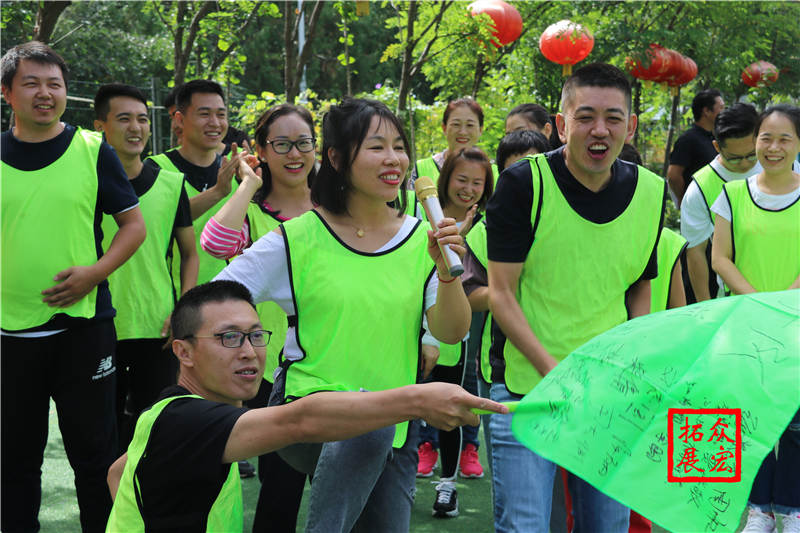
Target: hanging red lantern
{"x": 506, "y": 18}
{"x": 650, "y": 64}
{"x": 687, "y": 73}
{"x": 760, "y": 74}
{"x": 566, "y": 43}
{"x": 672, "y": 68}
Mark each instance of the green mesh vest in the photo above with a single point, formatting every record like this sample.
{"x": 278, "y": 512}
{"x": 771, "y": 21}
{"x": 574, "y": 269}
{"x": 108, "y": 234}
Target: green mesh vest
{"x": 766, "y": 243}
{"x": 272, "y": 316}
{"x": 710, "y": 184}
{"x": 359, "y": 315}
{"x": 225, "y": 515}
{"x": 574, "y": 279}
{"x": 142, "y": 286}
{"x": 670, "y": 246}
{"x": 476, "y": 240}
{"x": 208, "y": 266}
{"x": 48, "y": 226}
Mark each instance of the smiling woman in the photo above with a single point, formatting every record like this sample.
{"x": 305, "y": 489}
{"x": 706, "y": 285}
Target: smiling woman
{"x": 329, "y": 270}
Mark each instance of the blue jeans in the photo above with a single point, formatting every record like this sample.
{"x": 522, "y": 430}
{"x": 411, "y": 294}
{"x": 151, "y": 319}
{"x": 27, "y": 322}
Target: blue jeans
{"x": 523, "y": 486}
{"x": 776, "y": 487}
{"x": 360, "y": 484}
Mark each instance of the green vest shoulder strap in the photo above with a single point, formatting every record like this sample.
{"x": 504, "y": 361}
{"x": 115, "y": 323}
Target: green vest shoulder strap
{"x": 710, "y": 183}
{"x": 476, "y": 241}
{"x": 226, "y": 513}
{"x": 428, "y": 167}
{"x": 670, "y": 246}
{"x": 272, "y": 316}
{"x": 766, "y": 243}
{"x": 65, "y": 193}
{"x": 339, "y": 293}
{"x": 164, "y": 162}
{"x": 558, "y": 289}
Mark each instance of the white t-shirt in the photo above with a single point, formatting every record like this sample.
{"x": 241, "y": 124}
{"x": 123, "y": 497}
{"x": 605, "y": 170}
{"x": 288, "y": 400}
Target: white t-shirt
{"x": 763, "y": 200}
{"x": 696, "y": 224}
{"x": 263, "y": 268}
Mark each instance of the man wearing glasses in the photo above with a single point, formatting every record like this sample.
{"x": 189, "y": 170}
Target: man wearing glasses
{"x": 736, "y": 160}
{"x": 179, "y": 471}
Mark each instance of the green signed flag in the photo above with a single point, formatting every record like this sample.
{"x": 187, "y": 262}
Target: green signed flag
{"x": 604, "y": 412}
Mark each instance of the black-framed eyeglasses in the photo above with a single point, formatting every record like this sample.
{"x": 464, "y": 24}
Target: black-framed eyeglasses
{"x": 284, "y": 146}
{"x": 739, "y": 158}
{"x": 235, "y": 339}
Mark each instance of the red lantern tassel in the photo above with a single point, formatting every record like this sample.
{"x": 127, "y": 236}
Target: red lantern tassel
{"x": 566, "y": 70}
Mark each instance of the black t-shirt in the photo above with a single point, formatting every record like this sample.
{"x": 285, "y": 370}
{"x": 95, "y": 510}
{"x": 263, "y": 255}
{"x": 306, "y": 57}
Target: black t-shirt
{"x": 201, "y": 178}
{"x": 114, "y": 195}
{"x": 693, "y": 150}
{"x": 181, "y": 471}
{"x": 508, "y": 214}
{"x": 147, "y": 177}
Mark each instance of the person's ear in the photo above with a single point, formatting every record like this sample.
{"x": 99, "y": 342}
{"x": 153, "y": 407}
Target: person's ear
{"x": 98, "y": 126}
{"x": 547, "y": 130}
{"x": 716, "y": 145}
{"x": 184, "y": 351}
{"x": 633, "y": 120}
{"x": 335, "y": 158}
{"x": 561, "y": 126}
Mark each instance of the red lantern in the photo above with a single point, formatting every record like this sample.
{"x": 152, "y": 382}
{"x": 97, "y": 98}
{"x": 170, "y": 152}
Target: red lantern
{"x": 650, "y": 65}
{"x": 687, "y": 74}
{"x": 506, "y": 18}
{"x": 566, "y": 43}
{"x": 673, "y": 66}
{"x": 760, "y": 74}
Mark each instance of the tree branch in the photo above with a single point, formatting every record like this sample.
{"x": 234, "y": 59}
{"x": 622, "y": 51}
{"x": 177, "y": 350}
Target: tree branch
{"x": 240, "y": 33}
{"x": 305, "y": 53}
{"x": 163, "y": 20}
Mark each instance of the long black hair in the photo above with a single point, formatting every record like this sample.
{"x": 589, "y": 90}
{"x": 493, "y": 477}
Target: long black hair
{"x": 344, "y": 128}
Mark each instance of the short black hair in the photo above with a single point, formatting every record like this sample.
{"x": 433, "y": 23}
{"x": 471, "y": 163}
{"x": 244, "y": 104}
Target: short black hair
{"x": 31, "y": 51}
{"x": 172, "y": 96}
{"x": 704, "y": 100}
{"x": 518, "y": 142}
{"x": 344, "y": 128}
{"x": 630, "y": 154}
{"x": 533, "y": 113}
{"x": 735, "y": 122}
{"x": 789, "y": 111}
{"x": 188, "y": 314}
{"x": 110, "y": 90}
{"x": 597, "y": 75}
{"x": 184, "y": 93}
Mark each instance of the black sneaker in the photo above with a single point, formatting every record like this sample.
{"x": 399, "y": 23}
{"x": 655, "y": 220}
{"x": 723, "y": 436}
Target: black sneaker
{"x": 446, "y": 504}
{"x": 246, "y": 470}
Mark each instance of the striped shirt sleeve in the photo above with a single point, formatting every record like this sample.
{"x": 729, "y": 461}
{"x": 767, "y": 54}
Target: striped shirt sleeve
{"x": 222, "y": 242}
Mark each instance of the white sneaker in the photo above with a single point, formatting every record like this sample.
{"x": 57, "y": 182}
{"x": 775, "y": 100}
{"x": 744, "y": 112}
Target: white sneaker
{"x": 759, "y": 522}
{"x": 790, "y": 523}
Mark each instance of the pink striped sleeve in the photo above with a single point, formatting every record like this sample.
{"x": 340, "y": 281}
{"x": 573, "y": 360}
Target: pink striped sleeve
{"x": 222, "y": 242}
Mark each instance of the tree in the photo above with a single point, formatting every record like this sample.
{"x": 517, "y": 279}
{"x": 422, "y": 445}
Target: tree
{"x": 295, "y": 59}
{"x": 209, "y": 32}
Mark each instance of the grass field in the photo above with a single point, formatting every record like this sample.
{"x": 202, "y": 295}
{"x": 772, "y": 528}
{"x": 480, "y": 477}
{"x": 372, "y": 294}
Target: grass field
{"x": 59, "y": 511}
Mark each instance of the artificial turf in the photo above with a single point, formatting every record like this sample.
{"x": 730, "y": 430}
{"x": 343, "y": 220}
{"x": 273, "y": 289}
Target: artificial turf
{"x": 59, "y": 510}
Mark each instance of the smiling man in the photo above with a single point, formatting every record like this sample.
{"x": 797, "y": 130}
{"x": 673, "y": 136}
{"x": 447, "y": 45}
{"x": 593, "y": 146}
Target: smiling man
{"x": 572, "y": 238}
{"x": 57, "y": 331}
{"x": 202, "y": 117}
{"x": 142, "y": 287}
{"x": 179, "y": 472}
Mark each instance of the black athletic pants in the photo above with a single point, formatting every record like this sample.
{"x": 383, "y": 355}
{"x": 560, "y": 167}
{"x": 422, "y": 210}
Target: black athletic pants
{"x": 450, "y": 441}
{"x": 77, "y": 369}
{"x": 281, "y": 485}
{"x": 144, "y": 369}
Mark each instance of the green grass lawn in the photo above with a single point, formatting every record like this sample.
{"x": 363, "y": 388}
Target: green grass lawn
{"x": 59, "y": 511}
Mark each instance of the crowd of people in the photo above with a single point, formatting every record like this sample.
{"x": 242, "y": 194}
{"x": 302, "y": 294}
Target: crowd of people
{"x": 288, "y": 298}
